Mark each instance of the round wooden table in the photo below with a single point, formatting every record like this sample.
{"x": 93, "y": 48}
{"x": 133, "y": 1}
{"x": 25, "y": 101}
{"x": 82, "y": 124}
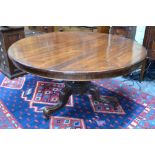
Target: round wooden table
{"x": 77, "y": 58}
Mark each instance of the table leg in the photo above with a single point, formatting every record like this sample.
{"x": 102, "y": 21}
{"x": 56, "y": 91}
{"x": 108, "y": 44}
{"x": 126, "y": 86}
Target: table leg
{"x": 79, "y": 88}
{"x": 64, "y": 95}
{"x": 94, "y": 91}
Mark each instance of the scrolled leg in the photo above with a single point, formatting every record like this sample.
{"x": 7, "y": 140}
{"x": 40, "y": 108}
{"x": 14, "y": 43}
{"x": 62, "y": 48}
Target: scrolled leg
{"x": 64, "y": 95}
{"x": 94, "y": 91}
{"x": 110, "y": 100}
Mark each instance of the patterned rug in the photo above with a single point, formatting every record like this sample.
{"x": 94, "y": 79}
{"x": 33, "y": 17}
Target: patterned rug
{"x": 23, "y": 99}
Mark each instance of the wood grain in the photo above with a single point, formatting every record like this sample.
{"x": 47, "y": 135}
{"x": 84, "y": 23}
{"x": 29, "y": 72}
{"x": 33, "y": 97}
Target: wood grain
{"x": 77, "y": 56}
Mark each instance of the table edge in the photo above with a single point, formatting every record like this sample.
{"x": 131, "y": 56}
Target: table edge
{"x": 77, "y": 76}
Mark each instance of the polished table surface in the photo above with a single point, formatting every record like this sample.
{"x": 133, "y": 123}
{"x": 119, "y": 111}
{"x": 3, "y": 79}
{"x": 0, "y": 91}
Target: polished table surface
{"x": 77, "y": 56}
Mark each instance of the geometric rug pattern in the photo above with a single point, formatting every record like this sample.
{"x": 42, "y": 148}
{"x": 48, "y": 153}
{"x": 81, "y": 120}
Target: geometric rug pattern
{"x": 66, "y": 123}
{"x": 23, "y": 99}
{"x": 6, "y": 119}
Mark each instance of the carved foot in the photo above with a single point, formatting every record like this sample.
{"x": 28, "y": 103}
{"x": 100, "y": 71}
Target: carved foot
{"x": 46, "y": 112}
{"x": 94, "y": 91}
{"x": 64, "y": 95}
{"x": 110, "y": 100}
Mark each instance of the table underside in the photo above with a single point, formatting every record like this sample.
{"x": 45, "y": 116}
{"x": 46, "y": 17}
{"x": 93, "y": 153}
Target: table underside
{"x": 78, "y": 88}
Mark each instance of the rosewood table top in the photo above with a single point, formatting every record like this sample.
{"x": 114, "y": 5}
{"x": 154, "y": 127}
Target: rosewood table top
{"x": 77, "y": 56}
